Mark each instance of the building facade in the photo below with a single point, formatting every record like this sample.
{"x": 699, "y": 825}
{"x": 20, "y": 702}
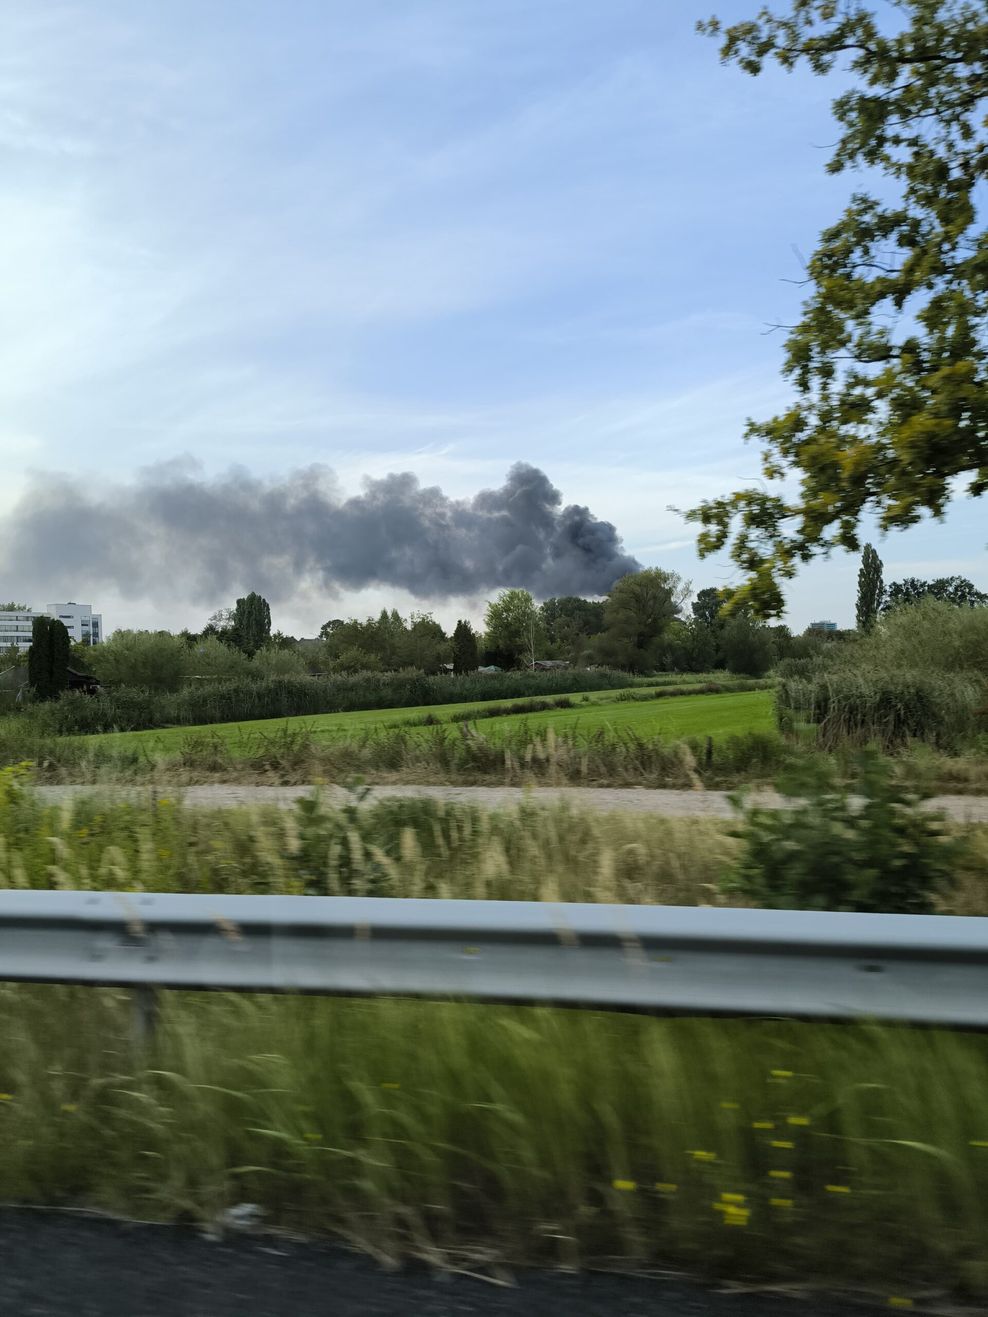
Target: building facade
{"x": 15, "y": 629}
{"x": 79, "y": 620}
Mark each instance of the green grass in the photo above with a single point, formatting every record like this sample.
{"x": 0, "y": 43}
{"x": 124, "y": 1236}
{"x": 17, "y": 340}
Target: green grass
{"x": 672, "y": 717}
{"x": 771, "y": 1151}
{"x": 767, "y": 1151}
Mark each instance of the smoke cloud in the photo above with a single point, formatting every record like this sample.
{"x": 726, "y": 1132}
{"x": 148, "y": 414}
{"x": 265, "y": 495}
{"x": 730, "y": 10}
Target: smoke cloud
{"x": 177, "y": 534}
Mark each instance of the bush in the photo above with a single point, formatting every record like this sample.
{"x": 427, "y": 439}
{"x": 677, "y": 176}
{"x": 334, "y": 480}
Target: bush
{"x": 881, "y": 708}
{"x": 154, "y": 660}
{"x": 930, "y": 636}
{"x": 831, "y": 851}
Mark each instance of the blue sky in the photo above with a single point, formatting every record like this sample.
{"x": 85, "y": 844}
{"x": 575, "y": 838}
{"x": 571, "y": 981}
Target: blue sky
{"x": 432, "y": 236}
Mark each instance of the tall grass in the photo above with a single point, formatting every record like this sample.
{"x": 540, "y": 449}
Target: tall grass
{"x": 763, "y": 1151}
{"x": 392, "y": 847}
{"x": 887, "y": 709}
{"x": 769, "y": 1150}
{"x": 457, "y": 752}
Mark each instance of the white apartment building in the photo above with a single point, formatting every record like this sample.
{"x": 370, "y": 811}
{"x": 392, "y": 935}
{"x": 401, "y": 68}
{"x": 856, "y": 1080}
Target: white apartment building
{"x": 79, "y": 619}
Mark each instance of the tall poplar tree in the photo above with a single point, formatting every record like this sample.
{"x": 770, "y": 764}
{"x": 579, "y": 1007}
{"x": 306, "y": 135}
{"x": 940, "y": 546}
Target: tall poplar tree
{"x": 871, "y": 589}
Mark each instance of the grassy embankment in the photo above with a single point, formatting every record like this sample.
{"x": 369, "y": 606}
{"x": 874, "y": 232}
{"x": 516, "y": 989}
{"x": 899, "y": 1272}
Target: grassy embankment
{"x": 773, "y": 1151}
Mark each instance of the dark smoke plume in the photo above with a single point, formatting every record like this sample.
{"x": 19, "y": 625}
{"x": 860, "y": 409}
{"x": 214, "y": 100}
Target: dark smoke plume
{"x": 175, "y": 533}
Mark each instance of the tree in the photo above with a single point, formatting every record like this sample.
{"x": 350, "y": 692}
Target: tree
{"x": 424, "y": 644}
{"x": 153, "y": 660}
{"x": 888, "y": 360}
{"x": 211, "y": 657}
{"x": 466, "y": 655}
{"x": 871, "y": 591}
{"x": 956, "y": 590}
{"x": 569, "y": 623}
{"x": 14, "y": 608}
{"x": 251, "y": 623}
{"x": 639, "y": 609}
{"x": 706, "y": 607}
{"x": 513, "y": 628}
{"x": 48, "y": 658}
{"x": 747, "y": 646}
{"x": 220, "y": 624}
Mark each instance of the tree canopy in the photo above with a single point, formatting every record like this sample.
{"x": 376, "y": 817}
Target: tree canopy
{"x": 513, "y": 629}
{"x": 888, "y": 360}
{"x": 638, "y": 612}
{"x": 956, "y": 590}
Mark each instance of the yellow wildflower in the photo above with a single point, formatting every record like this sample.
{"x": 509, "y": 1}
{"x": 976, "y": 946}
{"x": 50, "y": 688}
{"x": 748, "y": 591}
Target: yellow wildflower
{"x": 626, "y": 1186}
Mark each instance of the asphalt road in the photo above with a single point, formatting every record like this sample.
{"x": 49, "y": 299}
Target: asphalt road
{"x": 687, "y": 804}
{"x": 60, "y": 1265}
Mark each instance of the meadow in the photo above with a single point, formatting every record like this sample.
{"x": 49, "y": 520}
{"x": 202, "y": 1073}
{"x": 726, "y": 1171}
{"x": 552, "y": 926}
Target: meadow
{"x": 668, "y": 714}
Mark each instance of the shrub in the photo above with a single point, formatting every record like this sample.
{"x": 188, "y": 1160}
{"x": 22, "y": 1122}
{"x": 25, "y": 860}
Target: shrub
{"x": 885, "y": 709}
{"x": 866, "y": 847}
{"x": 154, "y": 660}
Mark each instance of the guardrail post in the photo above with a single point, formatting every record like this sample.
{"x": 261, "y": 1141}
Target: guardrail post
{"x": 144, "y": 1007}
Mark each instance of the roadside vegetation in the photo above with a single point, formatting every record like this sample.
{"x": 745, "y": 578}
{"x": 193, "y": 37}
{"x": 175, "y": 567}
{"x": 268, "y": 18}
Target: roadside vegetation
{"x": 480, "y": 1136}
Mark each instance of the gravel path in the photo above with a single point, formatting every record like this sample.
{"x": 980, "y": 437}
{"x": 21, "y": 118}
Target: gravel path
{"x": 64, "y": 1266}
{"x": 687, "y": 804}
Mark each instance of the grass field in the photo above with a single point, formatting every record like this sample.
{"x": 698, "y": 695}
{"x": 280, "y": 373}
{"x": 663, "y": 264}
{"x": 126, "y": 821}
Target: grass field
{"x": 673, "y": 717}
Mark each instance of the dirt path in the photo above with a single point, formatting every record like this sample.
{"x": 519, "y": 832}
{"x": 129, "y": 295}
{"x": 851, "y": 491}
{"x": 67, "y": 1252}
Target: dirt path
{"x": 688, "y": 804}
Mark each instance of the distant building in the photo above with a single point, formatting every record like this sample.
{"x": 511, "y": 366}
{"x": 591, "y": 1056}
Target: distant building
{"x": 15, "y": 628}
{"x": 822, "y": 626}
{"x": 79, "y": 620}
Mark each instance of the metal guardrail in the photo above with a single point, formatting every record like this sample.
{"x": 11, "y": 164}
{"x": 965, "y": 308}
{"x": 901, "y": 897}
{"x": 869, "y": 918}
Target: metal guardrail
{"x": 656, "y": 959}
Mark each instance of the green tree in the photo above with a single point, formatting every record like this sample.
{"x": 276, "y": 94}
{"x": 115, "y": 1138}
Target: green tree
{"x": 889, "y": 360}
{"x": 514, "y": 634}
{"x": 48, "y": 658}
{"x": 747, "y": 646}
{"x": 153, "y": 660}
{"x": 278, "y": 661}
{"x": 569, "y": 623}
{"x": 956, "y": 590}
{"x": 424, "y": 645}
{"x": 211, "y": 657}
{"x": 707, "y": 605}
{"x": 639, "y": 610}
{"x": 251, "y": 623}
{"x": 871, "y": 591}
{"x": 466, "y": 654}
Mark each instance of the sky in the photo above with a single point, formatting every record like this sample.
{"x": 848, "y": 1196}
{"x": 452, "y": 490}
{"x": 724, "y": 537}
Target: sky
{"x": 426, "y": 236}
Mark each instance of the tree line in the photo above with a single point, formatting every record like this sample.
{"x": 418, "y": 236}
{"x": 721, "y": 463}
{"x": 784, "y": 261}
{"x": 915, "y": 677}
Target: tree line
{"x": 643, "y": 625}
